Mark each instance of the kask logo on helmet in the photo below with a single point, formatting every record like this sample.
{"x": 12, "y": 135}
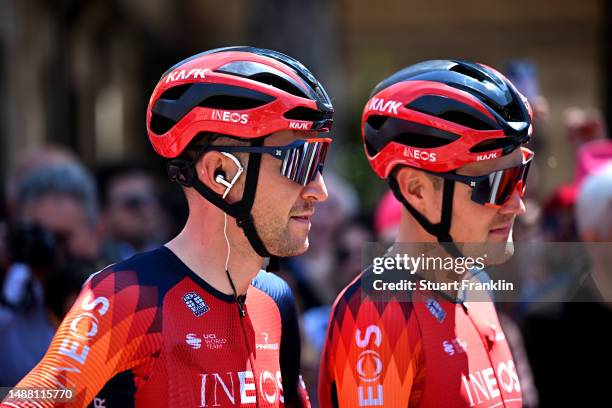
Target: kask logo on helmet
{"x": 187, "y": 74}
{"x": 487, "y": 156}
{"x": 298, "y": 125}
{"x": 381, "y": 105}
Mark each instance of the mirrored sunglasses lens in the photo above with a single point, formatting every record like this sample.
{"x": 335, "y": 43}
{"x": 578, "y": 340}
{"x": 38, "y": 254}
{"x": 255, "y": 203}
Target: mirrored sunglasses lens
{"x": 302, "y": 163}
{"x": 312, "y": 162}
{"x": 524, "y": 178}
{"x": 509, "y": 182}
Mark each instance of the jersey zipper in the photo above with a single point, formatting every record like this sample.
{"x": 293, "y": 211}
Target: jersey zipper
{"x": 241, "y": 315}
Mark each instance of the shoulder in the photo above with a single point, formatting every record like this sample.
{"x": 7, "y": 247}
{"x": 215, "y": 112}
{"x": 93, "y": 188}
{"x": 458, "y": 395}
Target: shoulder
{"x": 352, "y": 294}
{"x": 367, "y": 305}
{"x": 274, "y": 286}
{"x": 279, "y": 291}
{"x": 135, "y": 287}
{"x": 148, "y": 269}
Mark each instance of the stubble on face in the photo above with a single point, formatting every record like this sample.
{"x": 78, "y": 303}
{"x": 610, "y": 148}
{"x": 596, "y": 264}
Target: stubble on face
{"x": 275, "y": 229}
{"x": 277, "y": 200}
{"x": 480, "y": 229}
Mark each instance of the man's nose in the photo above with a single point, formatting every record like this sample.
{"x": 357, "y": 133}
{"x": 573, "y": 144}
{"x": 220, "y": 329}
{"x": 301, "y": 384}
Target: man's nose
{"x": 315, "y": 190}
{"x": 514, "y": 205}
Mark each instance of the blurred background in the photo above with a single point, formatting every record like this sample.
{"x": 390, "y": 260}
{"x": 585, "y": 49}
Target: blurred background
{"x": 81, "y": 187}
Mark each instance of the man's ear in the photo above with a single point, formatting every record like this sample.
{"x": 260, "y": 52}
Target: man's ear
{"x": 208, "y": 167}
{"x": 415, "y": 187}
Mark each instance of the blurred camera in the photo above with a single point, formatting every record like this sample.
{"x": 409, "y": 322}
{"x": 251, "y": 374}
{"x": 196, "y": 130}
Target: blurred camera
{"x": 31, "y": 244}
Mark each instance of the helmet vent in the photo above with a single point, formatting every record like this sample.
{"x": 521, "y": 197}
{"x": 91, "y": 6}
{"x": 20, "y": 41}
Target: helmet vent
{"x": 302, "y": 113}
{"x": 453, "y": 111}
{"x": 376, "y": 121}
{"x": 175, "y": 92}
{"x": 264, "y": 74}
{"x": 469, "y": 71}
{"x": 160, "y": 124}
{"x": 277, "y": 82}
{"x": 230, "y": 102}
{"x": 401, "y": 131}
{"x": 167, "y": 112}
{"x": 492, "y": 144}
{"x": 421, "y": 141}
{"x": 464, "y": 119}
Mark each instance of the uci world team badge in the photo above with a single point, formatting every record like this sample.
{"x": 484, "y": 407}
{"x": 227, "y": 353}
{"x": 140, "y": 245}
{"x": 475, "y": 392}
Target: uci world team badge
{"x": 436, "y": 310}
{"x": 195, "y": 303}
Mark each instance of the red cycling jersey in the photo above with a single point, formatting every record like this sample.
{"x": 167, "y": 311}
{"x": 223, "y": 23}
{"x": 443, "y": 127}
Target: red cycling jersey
{"x": 422, "y": 351}
{"x": 148, "y": 332}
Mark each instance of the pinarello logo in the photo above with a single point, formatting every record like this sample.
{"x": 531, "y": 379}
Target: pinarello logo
{"x": 266, "y": 345}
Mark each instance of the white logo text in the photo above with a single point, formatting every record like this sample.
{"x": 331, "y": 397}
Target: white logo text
{"x": 381, "y": 105}
{"x": 186, "y": 74}
{"x": 232, "y": 117}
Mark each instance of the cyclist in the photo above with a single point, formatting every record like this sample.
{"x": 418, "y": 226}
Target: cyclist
{"x": 195, "y": 322}
{"x": 447, "y": 136}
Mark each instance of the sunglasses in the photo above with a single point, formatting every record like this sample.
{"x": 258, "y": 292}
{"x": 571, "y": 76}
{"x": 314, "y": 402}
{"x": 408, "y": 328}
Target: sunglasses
{"x": 496, "y": 188}
{"x": 301, "y": 160}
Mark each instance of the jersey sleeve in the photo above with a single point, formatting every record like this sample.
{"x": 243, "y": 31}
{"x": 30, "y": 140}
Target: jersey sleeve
{"x": 372, "y": 354}
{"x": 294, "y": 389}
{"x": 327, "y": 393}
{"x": 104, "y": 333}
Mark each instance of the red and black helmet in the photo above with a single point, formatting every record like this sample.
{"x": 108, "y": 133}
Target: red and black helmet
{"x": 438, "y": 116}
{"x": 443, "y": 114}
{"x": 244, "y": 92}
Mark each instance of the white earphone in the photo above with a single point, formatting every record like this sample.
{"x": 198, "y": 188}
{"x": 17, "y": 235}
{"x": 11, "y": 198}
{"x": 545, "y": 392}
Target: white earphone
{"x": 229, "y": 184}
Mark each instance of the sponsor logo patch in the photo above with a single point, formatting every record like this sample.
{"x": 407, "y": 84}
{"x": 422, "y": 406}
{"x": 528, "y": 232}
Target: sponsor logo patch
{"x": 454, "y": 346}
{"x": 193, "y": 341}
{"x": 195, "y": 303}
{"x": 265, "y": 345}
{"x": 436, "y": 310}
{"x": 210, "y": 340}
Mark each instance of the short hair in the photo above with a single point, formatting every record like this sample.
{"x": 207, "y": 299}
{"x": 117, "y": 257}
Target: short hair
{"x": 198, "y": 146}
{"x": 594, "y": 203}
{"x": 435, "y": 180}
{"x": 70, "y": 179}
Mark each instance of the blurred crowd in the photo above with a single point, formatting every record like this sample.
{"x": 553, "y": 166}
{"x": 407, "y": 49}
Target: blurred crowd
{"x": 62, "y": 221}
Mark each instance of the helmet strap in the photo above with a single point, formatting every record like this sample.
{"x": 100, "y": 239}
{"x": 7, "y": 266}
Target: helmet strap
{"x": 441, "y": 230}
{"x": 240, "y": 210}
